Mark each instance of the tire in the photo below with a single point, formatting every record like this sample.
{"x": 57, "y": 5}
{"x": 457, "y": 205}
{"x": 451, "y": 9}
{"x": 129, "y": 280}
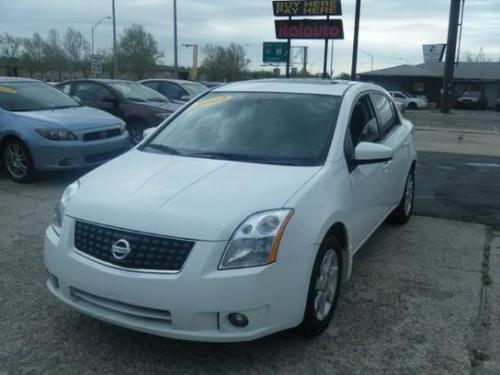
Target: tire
{"x": 135, "y": 129}
{"x": 17, "y": 161}
{"x": 318, "y": 316}
{"x": 403, "y": 212}
{"x": 412, "y": 105}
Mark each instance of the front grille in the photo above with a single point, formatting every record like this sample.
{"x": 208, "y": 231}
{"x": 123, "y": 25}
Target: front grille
{"x": 100, "y": 135}
{"x": 103, "y": 156}
{"x": 147, "y": 252}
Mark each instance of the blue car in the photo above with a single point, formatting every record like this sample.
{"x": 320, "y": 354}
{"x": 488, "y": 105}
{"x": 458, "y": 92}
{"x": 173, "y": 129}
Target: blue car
{"x": 43, "y": 129}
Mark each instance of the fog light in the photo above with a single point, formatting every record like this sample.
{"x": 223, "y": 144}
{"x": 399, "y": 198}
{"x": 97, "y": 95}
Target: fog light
{"x": 238, "y": 320}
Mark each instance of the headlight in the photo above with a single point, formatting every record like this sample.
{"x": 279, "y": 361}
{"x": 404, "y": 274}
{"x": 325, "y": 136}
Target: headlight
{"x": 60, "y": 210}
{"x": 55, "y": 134}
{"x": 256, "y": 241}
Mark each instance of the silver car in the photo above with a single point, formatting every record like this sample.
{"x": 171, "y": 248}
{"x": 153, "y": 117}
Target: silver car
{"x": 43, "y": 129}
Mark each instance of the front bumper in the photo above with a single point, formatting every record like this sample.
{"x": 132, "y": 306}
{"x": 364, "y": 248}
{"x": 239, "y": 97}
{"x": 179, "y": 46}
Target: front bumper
{"x": 62, "y": 155}
{"x": 193, "y": 304}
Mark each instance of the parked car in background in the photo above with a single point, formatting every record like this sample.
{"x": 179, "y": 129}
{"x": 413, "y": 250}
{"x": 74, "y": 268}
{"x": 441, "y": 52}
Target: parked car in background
{"x": 408, "y": 100}
{"x": 238, "y": 217}
{"x": 472, "y": 100}
{"x": 177, "y": 90}
{"x": 497, "y": 105}
{"x": 43, "y": 129}
{"x": 139, "y": 106}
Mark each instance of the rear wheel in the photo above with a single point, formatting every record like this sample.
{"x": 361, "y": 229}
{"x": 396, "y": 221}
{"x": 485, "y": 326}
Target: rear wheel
{"x": 402, "y": 213}
{"x": 412, "y": 105}
{"x": 17, "y": 161}
{"x": 324, "y": 288}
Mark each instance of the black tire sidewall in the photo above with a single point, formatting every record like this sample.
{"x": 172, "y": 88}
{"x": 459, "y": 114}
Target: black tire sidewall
{"x": 399, "y": 215}
{"x": 137, "y": 125}
{"x": 311, "y": 326}
{"x": 31, "y": 172}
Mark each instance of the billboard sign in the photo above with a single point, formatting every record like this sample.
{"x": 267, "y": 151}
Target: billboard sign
{"x": 433, "y": 52}
{"x": 307, "y": 8}
{"x": 275, "y": 52}
{"x": 309, "y": 29}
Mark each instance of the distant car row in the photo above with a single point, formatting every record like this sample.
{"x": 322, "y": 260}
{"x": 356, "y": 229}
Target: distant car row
{"x": 51, "y": 127}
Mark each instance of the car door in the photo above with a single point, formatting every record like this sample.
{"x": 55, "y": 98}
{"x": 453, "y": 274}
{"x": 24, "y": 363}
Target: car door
{"x": 367, "y": 180}
{"x": 97, "y": 96}
{"x": 393, "y": 135}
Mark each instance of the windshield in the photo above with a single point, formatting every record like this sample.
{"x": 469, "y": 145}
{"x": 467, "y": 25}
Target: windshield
{"x": 137, "y": 92}
{"x": 194, "y": 88}
{"x": 32, "y": 96}
{"x": 292, "y": 129}
{"x": 408, "y": 94}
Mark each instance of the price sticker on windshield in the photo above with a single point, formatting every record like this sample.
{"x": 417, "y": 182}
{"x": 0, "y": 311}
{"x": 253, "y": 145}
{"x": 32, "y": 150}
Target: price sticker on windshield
{"x": 212, "y": 101}
{"x": 7, "y": 90}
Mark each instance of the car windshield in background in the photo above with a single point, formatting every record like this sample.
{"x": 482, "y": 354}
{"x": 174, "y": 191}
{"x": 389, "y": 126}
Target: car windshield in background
{"x": 32, "y": 96}
{"x": 137, "y": 92}
{"x": 408, "y": 94}
{"x": 271, "y": 128}
{"x": 194, "y": 88}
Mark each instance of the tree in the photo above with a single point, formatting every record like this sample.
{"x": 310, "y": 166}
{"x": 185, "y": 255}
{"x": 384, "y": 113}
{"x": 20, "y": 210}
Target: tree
{"x": 344, "y": 76}
{"x": 224, "y": 63}
{"x": 33, "y": 57}
{"x": 77, "y": 49}
{"x": 10, "y": 46}
{"x": 54, "y": 53}
{"x": 138, "y": 51}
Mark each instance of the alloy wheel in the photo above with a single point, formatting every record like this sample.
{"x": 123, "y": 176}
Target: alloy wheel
{"x": 410, "y": 189}
{"x": 16, "y": 160}
{"x": 326, "y": 285}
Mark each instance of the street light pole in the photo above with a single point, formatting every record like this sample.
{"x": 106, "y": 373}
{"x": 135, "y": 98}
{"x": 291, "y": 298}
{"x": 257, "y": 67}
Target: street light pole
{"x": 115, "y": 57}
{"x": 94, "y": 27}
{"x": 176, "y": 61}
{"x": 371, "y": 58}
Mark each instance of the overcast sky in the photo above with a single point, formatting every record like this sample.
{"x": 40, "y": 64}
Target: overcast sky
{"x": 391, "y": 30}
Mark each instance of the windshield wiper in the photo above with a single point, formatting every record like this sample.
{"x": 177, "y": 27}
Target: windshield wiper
{"x": 137, "y": 100}
{"x": 158, "y": 100}
{"x": 238, "y": 157}
{"x": 163, "y": 148}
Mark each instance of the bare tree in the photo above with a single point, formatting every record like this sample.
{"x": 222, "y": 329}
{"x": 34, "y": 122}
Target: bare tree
{"x": 10, "y": 46}
{"x": 224, "y": 63}
{"x": 54, "y": 53}
{"x": 33, "y": 57}
{"x": 76, "y": 48}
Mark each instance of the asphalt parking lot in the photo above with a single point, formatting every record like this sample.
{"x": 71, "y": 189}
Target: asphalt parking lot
{"x": 420, "y": 301}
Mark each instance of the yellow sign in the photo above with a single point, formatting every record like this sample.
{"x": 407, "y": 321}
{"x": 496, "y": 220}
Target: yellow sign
{"x": 212, "y": 101}
{"x": 7, "y": 90}
{"x": 307, "y": 8}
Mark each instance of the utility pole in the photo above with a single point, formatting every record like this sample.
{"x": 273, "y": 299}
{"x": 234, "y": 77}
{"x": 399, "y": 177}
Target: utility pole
{"x": 289, "y": 47}
{"x": 331, "y": 59}
{"x": 115, "y": 57}
{"x": 176, "y": 61}
{"x": 451, "y": 50}
{"x": 94, "y": 27}
{"x": 325, "y": 56}
{"x": 305, "y": 56}
{"x": 356, "y": 40}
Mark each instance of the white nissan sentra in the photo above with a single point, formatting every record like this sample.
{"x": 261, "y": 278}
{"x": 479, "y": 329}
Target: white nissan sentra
{"x": 239, "y": 216}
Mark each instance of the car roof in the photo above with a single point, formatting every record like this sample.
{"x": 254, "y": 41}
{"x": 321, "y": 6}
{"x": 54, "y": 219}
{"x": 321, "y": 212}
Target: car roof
{"x": 180, "y": 81}
{"x": 99, "y": 80}
{"x": 17, "y": 79}
{"x": 298, "y": 86}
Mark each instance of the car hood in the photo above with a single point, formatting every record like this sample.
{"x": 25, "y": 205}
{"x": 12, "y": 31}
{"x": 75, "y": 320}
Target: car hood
{"x": 200, "y": 199}
{"x": 77, "y": 118}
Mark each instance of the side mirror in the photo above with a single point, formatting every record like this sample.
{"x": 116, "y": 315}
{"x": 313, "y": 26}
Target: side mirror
{"x": 372, "y": 153}
{"x": 147, "y": 132}
{"x": 186, "y": 98}
{"x": 77, "y": 99}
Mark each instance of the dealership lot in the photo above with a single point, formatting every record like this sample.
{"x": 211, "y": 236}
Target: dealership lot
{"x": 417, "y": 302}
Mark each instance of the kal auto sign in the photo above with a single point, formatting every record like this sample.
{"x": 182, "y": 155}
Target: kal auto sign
{"x": 309, "y": 29}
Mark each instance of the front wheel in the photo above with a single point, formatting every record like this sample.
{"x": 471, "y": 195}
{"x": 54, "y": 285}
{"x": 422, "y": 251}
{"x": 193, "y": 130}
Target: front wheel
{"x": 324, "y": 288}
{"x": 136, "y": 128}
{"x": 402, "y": 213}
{"x": 17, "y": 161}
